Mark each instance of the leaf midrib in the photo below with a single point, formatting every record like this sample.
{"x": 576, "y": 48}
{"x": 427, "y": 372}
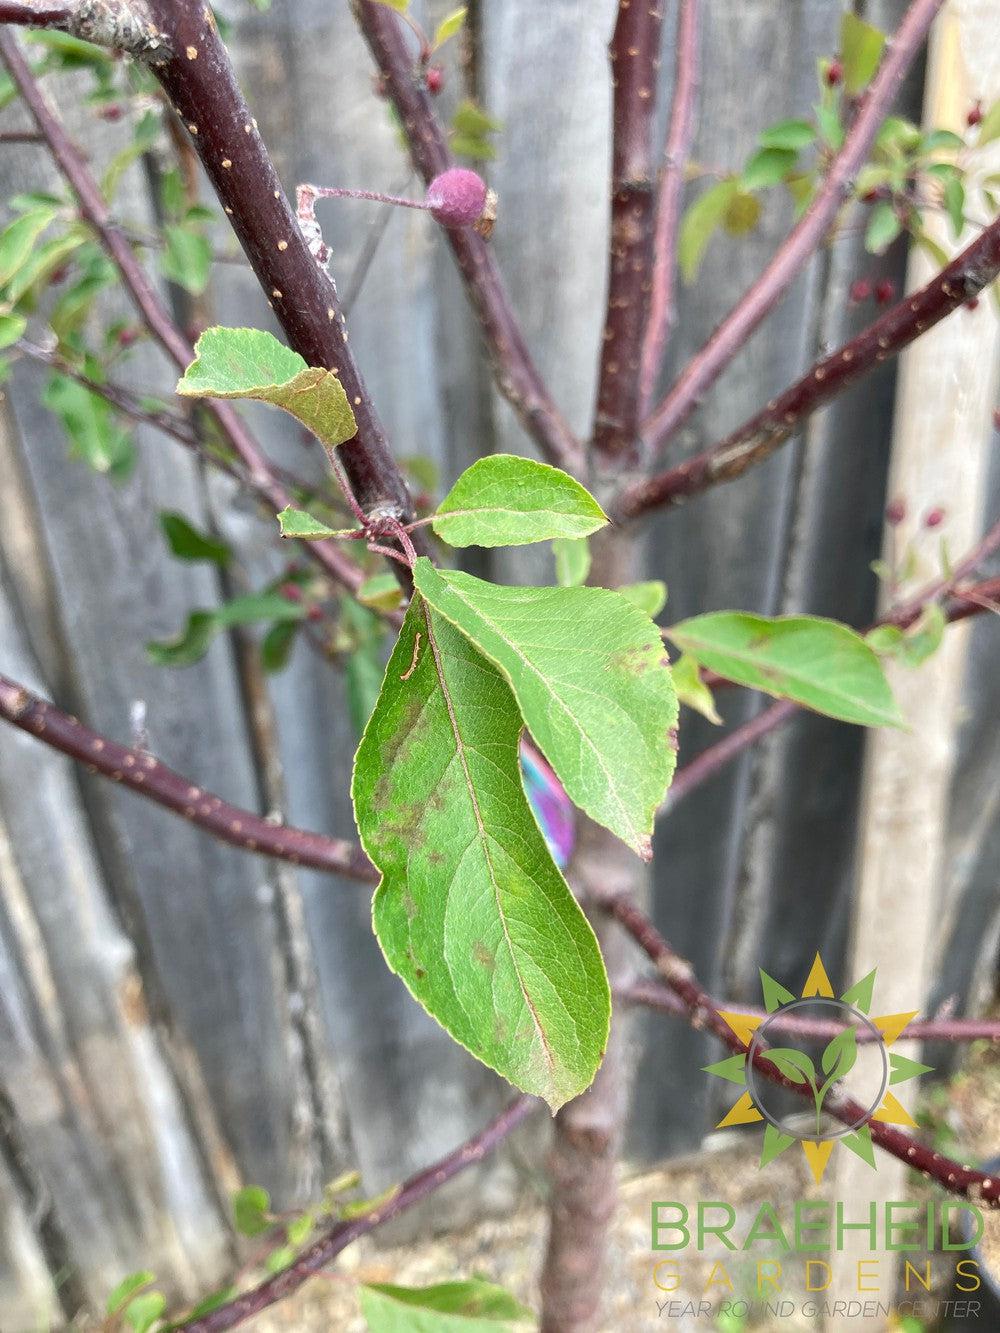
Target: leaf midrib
{"x": 551, "y": 694}
{"x": 432, "y": 643}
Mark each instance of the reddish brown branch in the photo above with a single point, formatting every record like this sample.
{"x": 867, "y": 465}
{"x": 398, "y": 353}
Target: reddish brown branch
{"x": 196, "y": 73}
{"x": 144, "y": 774}
{"x": 960, "y": 604}
{"x": 731, "y": 336}
{"x": 516, "y": 375}
{"x": 654, "y": 995}
{"x": 964, "y": 278}
{"x": 679, "y": 977}
{"x": 634, "y": 56}
{"x": 338, "y": 1237}
{"x": 36, "y": 15}
{"x": 668, "y": 208}
{"x": 154, "y": 313}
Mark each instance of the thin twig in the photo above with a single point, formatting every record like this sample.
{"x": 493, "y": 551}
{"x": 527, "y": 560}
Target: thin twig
{"x": 342, "y": 1234}
{"x": 655, "y": 995}
{"x": 124, "y": 400}
{"x": 144, "y": 774}
{"x": 964, "y": 278}
{"x": 679, "y": 977}
{"x": 516, "y": 375}
{"x": 634, "y": 56}
{"x": 707, "y": 365}
{"x": 38, "y": 15}
{"x": 678, "y": 149}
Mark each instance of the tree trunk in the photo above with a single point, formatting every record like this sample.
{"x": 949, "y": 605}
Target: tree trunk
{"x": 584, "y": 1155}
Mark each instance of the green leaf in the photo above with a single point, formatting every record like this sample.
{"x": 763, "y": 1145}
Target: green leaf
{"x": 989, "y": 126}
{"x": 42, "y": 262}
{"x": 212, "y": 1302}
{"x": 381, "y": 592}
{"x": 193, "y": 642}
{"x": 251, "y": 1206}
{"x": 472, "y": 119}
{"x": 187, "y": 258}
{"x": 861, "y": 50}
{"x": 474, "y": 1306}
{"x": 301, "y": 1229}
{"x": 249, "y": 363}
{"x": 18, "y": 240}
{"x": 742, "y": 214}
{"x": 89, "y": 422}
{"x": 883, "y": 228}
{"x": 282, "y": 1257}
{"x": 11, "y": 328}
{"x": 142, "y": 1313}
{"x": 940, "y": 141}
{"x": 650, "y": 597}
{"x": 572, "y": 557}
{"x": 589, "y": 674}
{"x": 915, "y": 645}
{"x": 768, "y": 166}
{"x": 699, "y": 222}
{"x": 277, "y": 644}
{"x": 449, "y": 26}
{"x": 187, "y": 543}
{"x": 818, "y": 663}
{"x": 954, "y": 202}
{"x": 795, "y": 1065}
{"x": 471, "y": 128}
{"x": 793, "y": 134}
{"x": 801, "y": 186}
{"x": 503, "y": 500}
{"x": 400, "y": 6}
{"x": 831, "y": 127}
{"x": 471, "y": 911}
{"x": 692, "y": 690}
{"x": 297, "y": 523}
{"x": 127, "y": 1287}
{"x": 363, "y": 667}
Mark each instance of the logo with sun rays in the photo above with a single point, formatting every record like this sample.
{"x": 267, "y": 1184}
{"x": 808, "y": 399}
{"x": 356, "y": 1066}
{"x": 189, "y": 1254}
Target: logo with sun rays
{"x": 824, "y": 1046}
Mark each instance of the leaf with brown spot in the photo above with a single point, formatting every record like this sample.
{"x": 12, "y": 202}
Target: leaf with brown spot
{"x": 471, "y": 910}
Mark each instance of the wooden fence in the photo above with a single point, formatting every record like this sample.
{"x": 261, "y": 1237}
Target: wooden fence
{"x": 177, "y": 1017}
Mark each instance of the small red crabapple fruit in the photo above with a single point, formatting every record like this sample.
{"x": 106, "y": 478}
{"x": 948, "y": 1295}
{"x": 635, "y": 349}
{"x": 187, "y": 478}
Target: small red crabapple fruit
{"x": 895, "y": 512}
{"x": 834, "y": 73}
{"x": 111, "y": 113}
{"x": 975, "y": 115}
{"x": 934, "y": 517}
{"x": 885, "y": 290}
{"x": 291, "y": 592}
{"x": 972, "y": 303}
{"x": 127, "y": 336}
{"x": 457, "y": 197}
{"x": 861, "y": 289}
{"x": 434, "y": 78}
{"x": 314, "y": 613}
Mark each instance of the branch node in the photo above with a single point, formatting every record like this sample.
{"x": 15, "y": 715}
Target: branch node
{"x": 123, "y": 25}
